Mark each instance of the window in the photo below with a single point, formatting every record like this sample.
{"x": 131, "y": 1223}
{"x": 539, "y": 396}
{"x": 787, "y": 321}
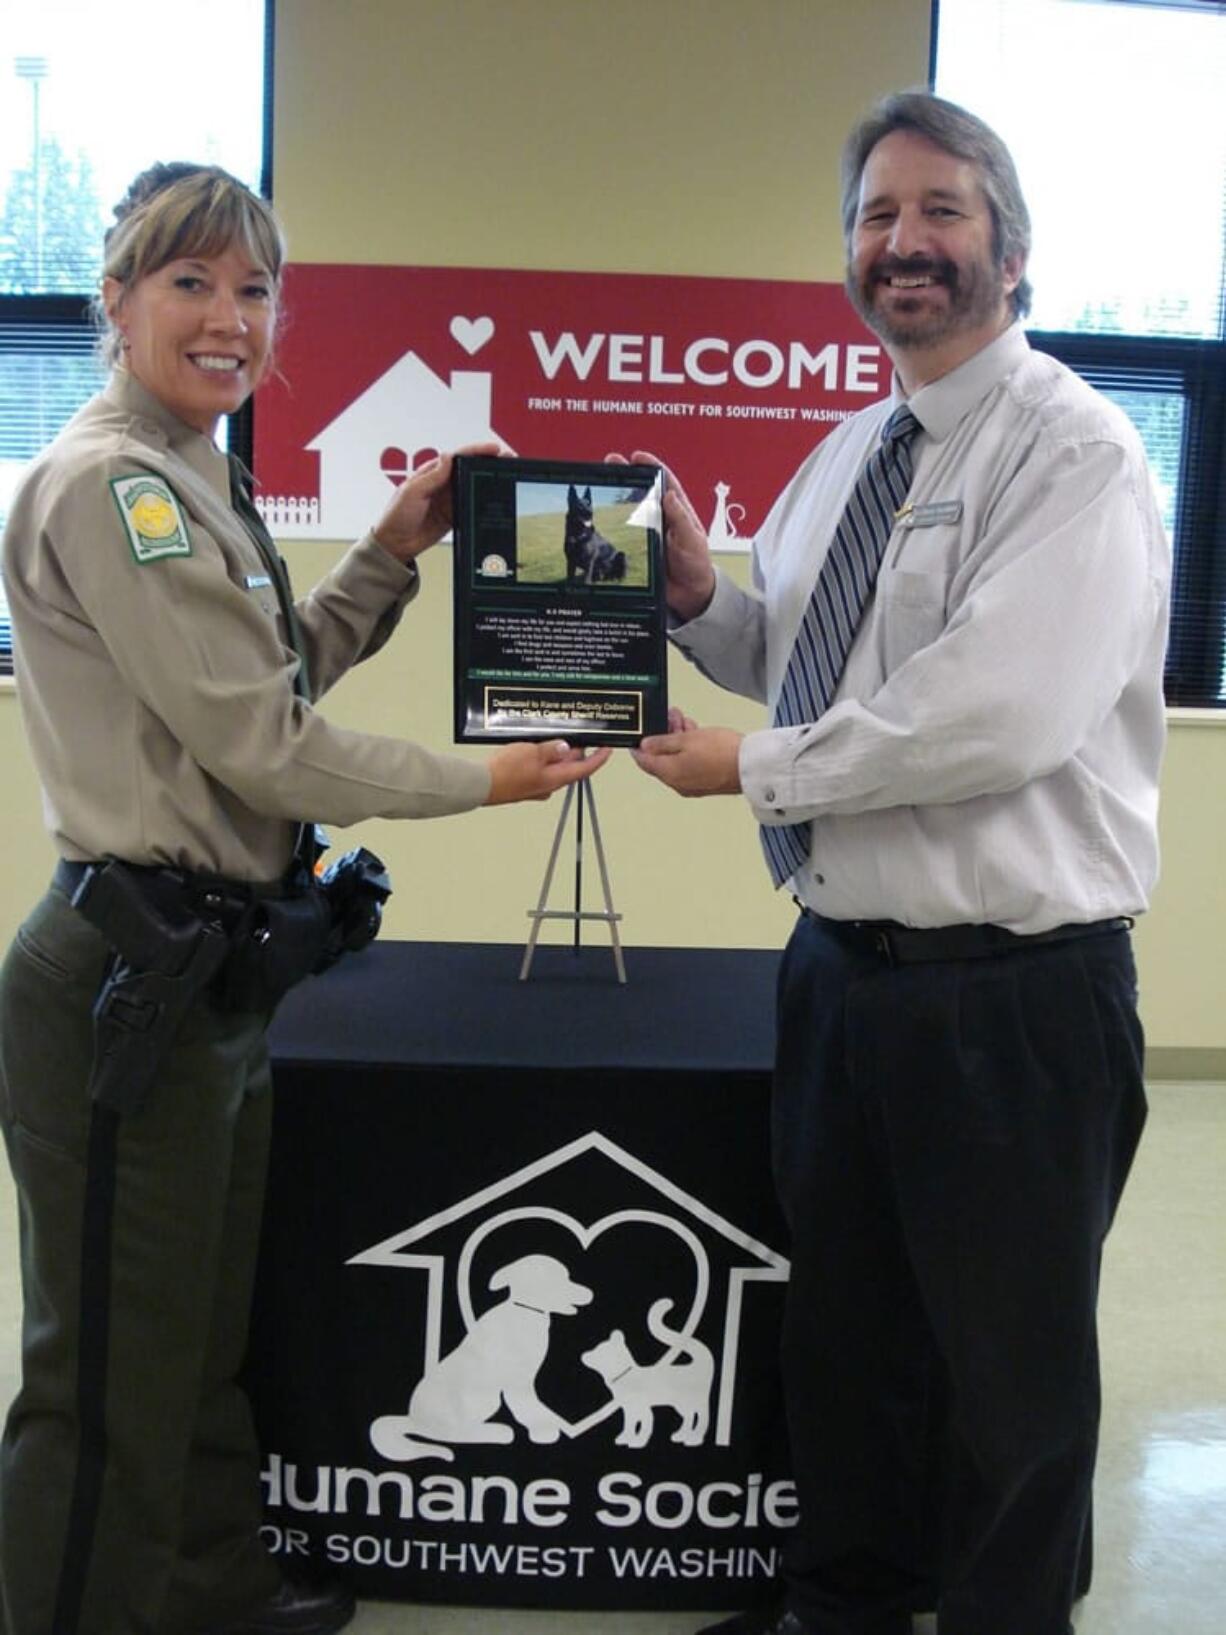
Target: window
{"x": 1112, "y": 110}
{"x": 85, "y": 106}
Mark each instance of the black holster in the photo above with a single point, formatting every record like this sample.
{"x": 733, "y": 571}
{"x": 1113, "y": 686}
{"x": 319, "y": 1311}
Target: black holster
{"x": 160, "y": 963}
{"x": 280, "y": 940}
{"x": 175, "y": 936}
{"x": 277, "y": 942}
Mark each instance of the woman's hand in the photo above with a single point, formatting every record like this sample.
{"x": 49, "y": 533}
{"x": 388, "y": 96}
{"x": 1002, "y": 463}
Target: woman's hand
{"x": 535, "y": 771}
{"x": 419, "y": 512}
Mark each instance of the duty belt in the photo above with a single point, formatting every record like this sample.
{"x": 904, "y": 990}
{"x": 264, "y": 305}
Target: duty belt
{"x": 214, "y": 897}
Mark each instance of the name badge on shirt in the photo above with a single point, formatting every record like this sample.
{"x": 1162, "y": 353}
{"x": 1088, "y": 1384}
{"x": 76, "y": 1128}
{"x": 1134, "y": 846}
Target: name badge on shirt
{"x": 256, "y": 581}
{"x": 930, "y": 515}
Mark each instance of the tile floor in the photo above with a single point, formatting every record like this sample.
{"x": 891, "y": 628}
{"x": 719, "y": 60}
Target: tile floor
{"x": 1161, "y": 1493}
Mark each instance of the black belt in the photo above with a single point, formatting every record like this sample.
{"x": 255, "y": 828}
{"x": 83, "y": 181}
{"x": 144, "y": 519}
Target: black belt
{"x": 906, "y": 945}
{"x": 212, "y": 896}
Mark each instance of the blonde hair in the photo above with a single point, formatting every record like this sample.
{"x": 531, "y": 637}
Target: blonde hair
{"x": 178, "y": 210}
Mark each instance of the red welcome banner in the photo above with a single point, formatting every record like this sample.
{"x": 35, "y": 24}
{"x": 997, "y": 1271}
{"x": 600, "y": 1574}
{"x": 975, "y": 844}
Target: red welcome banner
{"x": 729, "y": 381}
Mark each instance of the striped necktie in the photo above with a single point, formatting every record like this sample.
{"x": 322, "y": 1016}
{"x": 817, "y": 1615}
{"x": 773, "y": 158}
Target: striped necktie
{"x": 828, "y": 628}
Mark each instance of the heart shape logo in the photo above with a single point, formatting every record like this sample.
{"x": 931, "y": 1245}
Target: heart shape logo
{"x": 586, "y": 1236}
{"x": 471, "y": 333}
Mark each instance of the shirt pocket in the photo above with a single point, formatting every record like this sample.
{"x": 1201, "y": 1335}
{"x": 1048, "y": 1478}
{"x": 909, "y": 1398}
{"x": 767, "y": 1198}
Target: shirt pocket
{"x": 911, "y": 613}
{"x": 259, "y": 588}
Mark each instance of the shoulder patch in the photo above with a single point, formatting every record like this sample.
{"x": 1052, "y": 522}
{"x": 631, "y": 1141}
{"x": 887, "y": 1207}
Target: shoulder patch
{"x": 155, "y": 525}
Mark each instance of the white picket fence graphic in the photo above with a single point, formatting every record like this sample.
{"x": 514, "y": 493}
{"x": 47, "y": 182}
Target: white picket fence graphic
{"x": 295, "y": 516}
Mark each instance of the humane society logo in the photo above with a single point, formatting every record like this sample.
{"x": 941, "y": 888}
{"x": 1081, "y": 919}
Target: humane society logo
{"x": 593, "y": 1337}
{"x": 731, "y": 381}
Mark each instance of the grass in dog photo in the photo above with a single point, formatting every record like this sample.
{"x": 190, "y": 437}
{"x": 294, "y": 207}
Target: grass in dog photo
{"x": 582, "y": 535}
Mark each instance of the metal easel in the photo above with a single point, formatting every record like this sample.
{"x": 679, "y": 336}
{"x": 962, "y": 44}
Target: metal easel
{"x": 586, "y": 798}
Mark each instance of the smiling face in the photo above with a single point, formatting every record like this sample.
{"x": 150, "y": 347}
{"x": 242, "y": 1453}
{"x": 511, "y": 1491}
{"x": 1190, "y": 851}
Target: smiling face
{"x": 923, "y": 269}
{"x": 198, "y": 332}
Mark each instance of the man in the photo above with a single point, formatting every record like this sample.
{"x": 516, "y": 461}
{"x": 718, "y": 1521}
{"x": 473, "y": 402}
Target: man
{"x": 960, "y": 785}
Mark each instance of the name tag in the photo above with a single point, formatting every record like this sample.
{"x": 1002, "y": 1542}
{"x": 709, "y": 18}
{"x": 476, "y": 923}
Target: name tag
{"x": 930, "y": 515}
{"x": 256, "y": 581}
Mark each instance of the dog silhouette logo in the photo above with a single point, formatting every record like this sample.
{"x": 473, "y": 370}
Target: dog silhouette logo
{"x": 494, "y": 1366}
{"x": 631, "y": 1320}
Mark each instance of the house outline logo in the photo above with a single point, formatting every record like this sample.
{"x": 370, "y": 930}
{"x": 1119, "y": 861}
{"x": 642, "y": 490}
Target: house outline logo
{"x": 409, "y": 407}
{"x": 400, "y": 1437}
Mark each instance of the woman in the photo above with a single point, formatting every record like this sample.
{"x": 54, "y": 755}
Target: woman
{"x": 166, "y": 687}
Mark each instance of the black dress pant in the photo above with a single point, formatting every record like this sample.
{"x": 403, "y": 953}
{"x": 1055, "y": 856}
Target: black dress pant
{"x": 950, "y": 1143}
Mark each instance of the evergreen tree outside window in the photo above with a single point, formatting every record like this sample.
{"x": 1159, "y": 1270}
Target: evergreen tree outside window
{"x": 53, "y": 248}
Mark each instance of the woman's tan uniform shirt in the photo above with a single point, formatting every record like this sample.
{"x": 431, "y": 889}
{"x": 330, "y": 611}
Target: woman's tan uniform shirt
{"x": 154, "y": 674}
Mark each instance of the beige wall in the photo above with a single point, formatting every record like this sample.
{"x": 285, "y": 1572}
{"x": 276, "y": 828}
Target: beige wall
{"x": 499, "y": 132}
{"x": 468, "y": 133}
{"x": 1181, "y": 952}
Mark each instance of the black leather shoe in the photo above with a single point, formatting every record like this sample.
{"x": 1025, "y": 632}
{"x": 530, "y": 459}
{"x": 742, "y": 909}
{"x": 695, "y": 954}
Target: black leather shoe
{"x": 760, "y": 1621}
{"x": 296, "y": 1609}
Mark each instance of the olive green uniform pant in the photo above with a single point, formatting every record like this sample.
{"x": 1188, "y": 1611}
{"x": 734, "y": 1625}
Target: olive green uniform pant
{"x": 129, "y": 1481}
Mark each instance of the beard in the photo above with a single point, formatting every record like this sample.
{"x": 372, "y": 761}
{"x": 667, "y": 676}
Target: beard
{"x": 976, "y": 296}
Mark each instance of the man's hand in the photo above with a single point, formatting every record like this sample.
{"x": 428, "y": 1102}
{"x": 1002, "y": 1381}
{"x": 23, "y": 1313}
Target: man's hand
{"x": 688, "y": 568}
{"x": 419, "y": 512}
{"x": 693, "y": 760}
{"x": 535, "y": 771}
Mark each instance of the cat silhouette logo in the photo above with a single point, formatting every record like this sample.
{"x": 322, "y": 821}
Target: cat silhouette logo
{"x": 583, "y": 1290}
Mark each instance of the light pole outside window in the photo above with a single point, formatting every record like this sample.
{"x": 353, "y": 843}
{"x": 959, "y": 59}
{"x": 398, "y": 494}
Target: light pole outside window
{"x": 34, "y": 69}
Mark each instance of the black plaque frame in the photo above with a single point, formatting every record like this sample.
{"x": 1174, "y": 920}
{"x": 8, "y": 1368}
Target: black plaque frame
{"x": 560, "y": 622}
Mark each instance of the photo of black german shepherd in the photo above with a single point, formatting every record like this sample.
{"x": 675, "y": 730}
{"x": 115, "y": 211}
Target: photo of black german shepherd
{"x": 589, "y": 555}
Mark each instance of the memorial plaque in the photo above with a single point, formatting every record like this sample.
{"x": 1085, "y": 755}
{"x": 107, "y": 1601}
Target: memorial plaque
{"x": 560, "y": 625}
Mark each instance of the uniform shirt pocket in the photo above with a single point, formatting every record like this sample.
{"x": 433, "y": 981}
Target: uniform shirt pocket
{"x": 260, "y": 588}
{"x": 911, "y": 613}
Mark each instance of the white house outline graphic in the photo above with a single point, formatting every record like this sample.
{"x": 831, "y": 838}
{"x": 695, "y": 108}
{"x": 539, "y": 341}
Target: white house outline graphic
{"x": 409, "y": 405}
{"x": 397, "y": 1251}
